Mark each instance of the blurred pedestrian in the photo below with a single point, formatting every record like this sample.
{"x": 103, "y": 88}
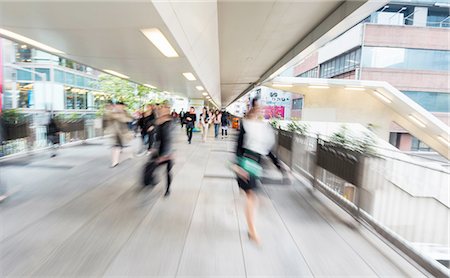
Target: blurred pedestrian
{"x": 163, "y": 148}
{"x": 117, "y": 119}
{"x": 217, "y": 122}
{"x": 147, "y": 125}
{"x": 204, "y": 121}
{"x": 182, "y": 115}
{"x": 256, "y": 139}
{"x": 224, "y": 123}
{"x": 190, "y": 119}
{"x": 53, "y": 135}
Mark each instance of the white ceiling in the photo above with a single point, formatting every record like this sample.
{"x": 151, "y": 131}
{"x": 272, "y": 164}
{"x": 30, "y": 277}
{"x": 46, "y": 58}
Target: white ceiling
{"x": 104, "y": 35}
{"x": 254, "y": 35}
{"x": 227, "y": 44}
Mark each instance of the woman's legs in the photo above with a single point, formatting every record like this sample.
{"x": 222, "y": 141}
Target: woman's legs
{"x": 250, "y": 214}
{"x": 216, "y": 130}
{"x": 115, "y": 155}
{"x": 205, "y": 132}
{"x": 189, "y": 133}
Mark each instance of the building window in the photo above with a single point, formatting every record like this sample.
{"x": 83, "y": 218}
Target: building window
{"x": 59, "y": 76}
{"x": 312, "y": 73}
{"x": 25, "y": 99}
{"x": 70, "y": 98}
{"x": 44, "y": 71}
{"x": 419, "y": 146}
{"x": 70, "y": 78}
{"x": 23, "y": 53}
{"x": 81, "y": 99}
{"x": 433, "y": 102}
{"x": 343, "y": 63}
{"x": 24, "y": 75}
{"x": 406, "y": 58}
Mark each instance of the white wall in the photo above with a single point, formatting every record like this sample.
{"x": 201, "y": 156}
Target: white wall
{"x": 347, "y": 41}
{"x": 195, "y": 27}
{"x": 47, "y": 94}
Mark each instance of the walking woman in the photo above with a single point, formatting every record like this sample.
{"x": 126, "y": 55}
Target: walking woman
{"x": 205, "y": 120}
{"x": 117, "y": 119}
{"x": 217, "y": 121}
{"x": 256, "y": 139}
{"x": 190, "y": 119}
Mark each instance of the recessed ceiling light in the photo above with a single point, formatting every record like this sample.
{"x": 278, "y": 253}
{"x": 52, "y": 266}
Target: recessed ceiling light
{"x": 208, "y": 97}
{"x": 160, "y": 41}
{"x": 283, "y": 85}
{"x": 318, "y": 87}
{"x": 150, "y": 86}
{"x": 200, "y": 88}
{"x": 29, "y": 41}
{"x": 443, "y": 140}
{"x": 189, "y": 76}
{"x": 205, "y": 93}
{"x": 417, "y": 121}
{"x": 118, "y": 74}
{"x": 355, "y": 88}
{"x": 382, "y": 97}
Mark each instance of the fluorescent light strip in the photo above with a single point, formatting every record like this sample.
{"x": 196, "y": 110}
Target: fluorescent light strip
{"x": 382, "y": 97}
{"x": 200, "y": 88}
{"x": 283, "y": 85}
{"x": 118, "y": 74}
{"x": 443, "y": 140}
{"x": 205, "y": 93}
{"x": 189, "y": 76}
{"x": 160, "y": 41}
{"x": 150, "y": 86}
{"x": 417, "y": 121}
{"x": 355, "y": 88}
{"x": 29, "y": 41}
{"x": 318, "y": 87}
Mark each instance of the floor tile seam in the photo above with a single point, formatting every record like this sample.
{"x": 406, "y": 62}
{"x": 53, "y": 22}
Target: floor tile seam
{"x": 236, "y": 209}
{"x": 335, "y": 230}
{"x": 102, "y": 184}
{"x": 190, "y": 221}
{"x": 21, "y": 185}
{"x": 288, "y": 231}
{"x": 155, "y": 199}
{"x": 88, "y": 222}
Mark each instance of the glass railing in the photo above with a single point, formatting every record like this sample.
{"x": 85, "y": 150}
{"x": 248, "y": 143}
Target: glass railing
{"x": 404, "y": 199}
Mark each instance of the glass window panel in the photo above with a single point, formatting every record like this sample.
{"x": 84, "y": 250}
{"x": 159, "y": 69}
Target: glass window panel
{"x": 79, "y": 80}
{"x": 25, "y": 95}
{"x": 433, "y": 102}
{"x": 404, "y": 58}
{"x": 70, "y": 78}
{"x": 81, "y": 99}
{"x": 45, "y": 71}
{"x": 59, "y": 76}
{"x": 24, "y": 75}
{"x": 70, "y": 99}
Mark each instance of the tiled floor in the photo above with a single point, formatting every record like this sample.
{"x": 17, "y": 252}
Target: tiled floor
{"x": 74, "y": 216}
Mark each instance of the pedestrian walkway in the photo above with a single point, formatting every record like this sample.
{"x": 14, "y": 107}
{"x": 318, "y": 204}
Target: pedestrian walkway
{"x": 72, "y": 215}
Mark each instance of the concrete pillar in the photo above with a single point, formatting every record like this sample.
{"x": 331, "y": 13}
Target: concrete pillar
{"x": 420, "y": 16}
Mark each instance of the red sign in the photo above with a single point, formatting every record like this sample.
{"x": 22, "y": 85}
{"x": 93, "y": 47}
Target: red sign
{"x": 1, "y": 75}
{"x": 274, "y": 112}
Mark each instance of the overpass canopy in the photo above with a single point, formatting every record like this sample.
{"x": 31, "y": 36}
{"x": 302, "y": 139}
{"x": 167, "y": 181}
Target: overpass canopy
{"x": 227, "y": 45}
{"x": 367, "y": 102}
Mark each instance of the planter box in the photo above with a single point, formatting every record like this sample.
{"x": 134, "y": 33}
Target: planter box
{"x": 339, "y": 161}
{"x": 16, "y": 131}
{"x": 69, "y": 126}
{"x": 284, "y": 148}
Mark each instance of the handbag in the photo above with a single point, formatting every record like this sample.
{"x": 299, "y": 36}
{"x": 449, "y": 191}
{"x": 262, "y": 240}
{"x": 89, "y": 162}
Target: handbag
{"x": 250, "y": 166}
